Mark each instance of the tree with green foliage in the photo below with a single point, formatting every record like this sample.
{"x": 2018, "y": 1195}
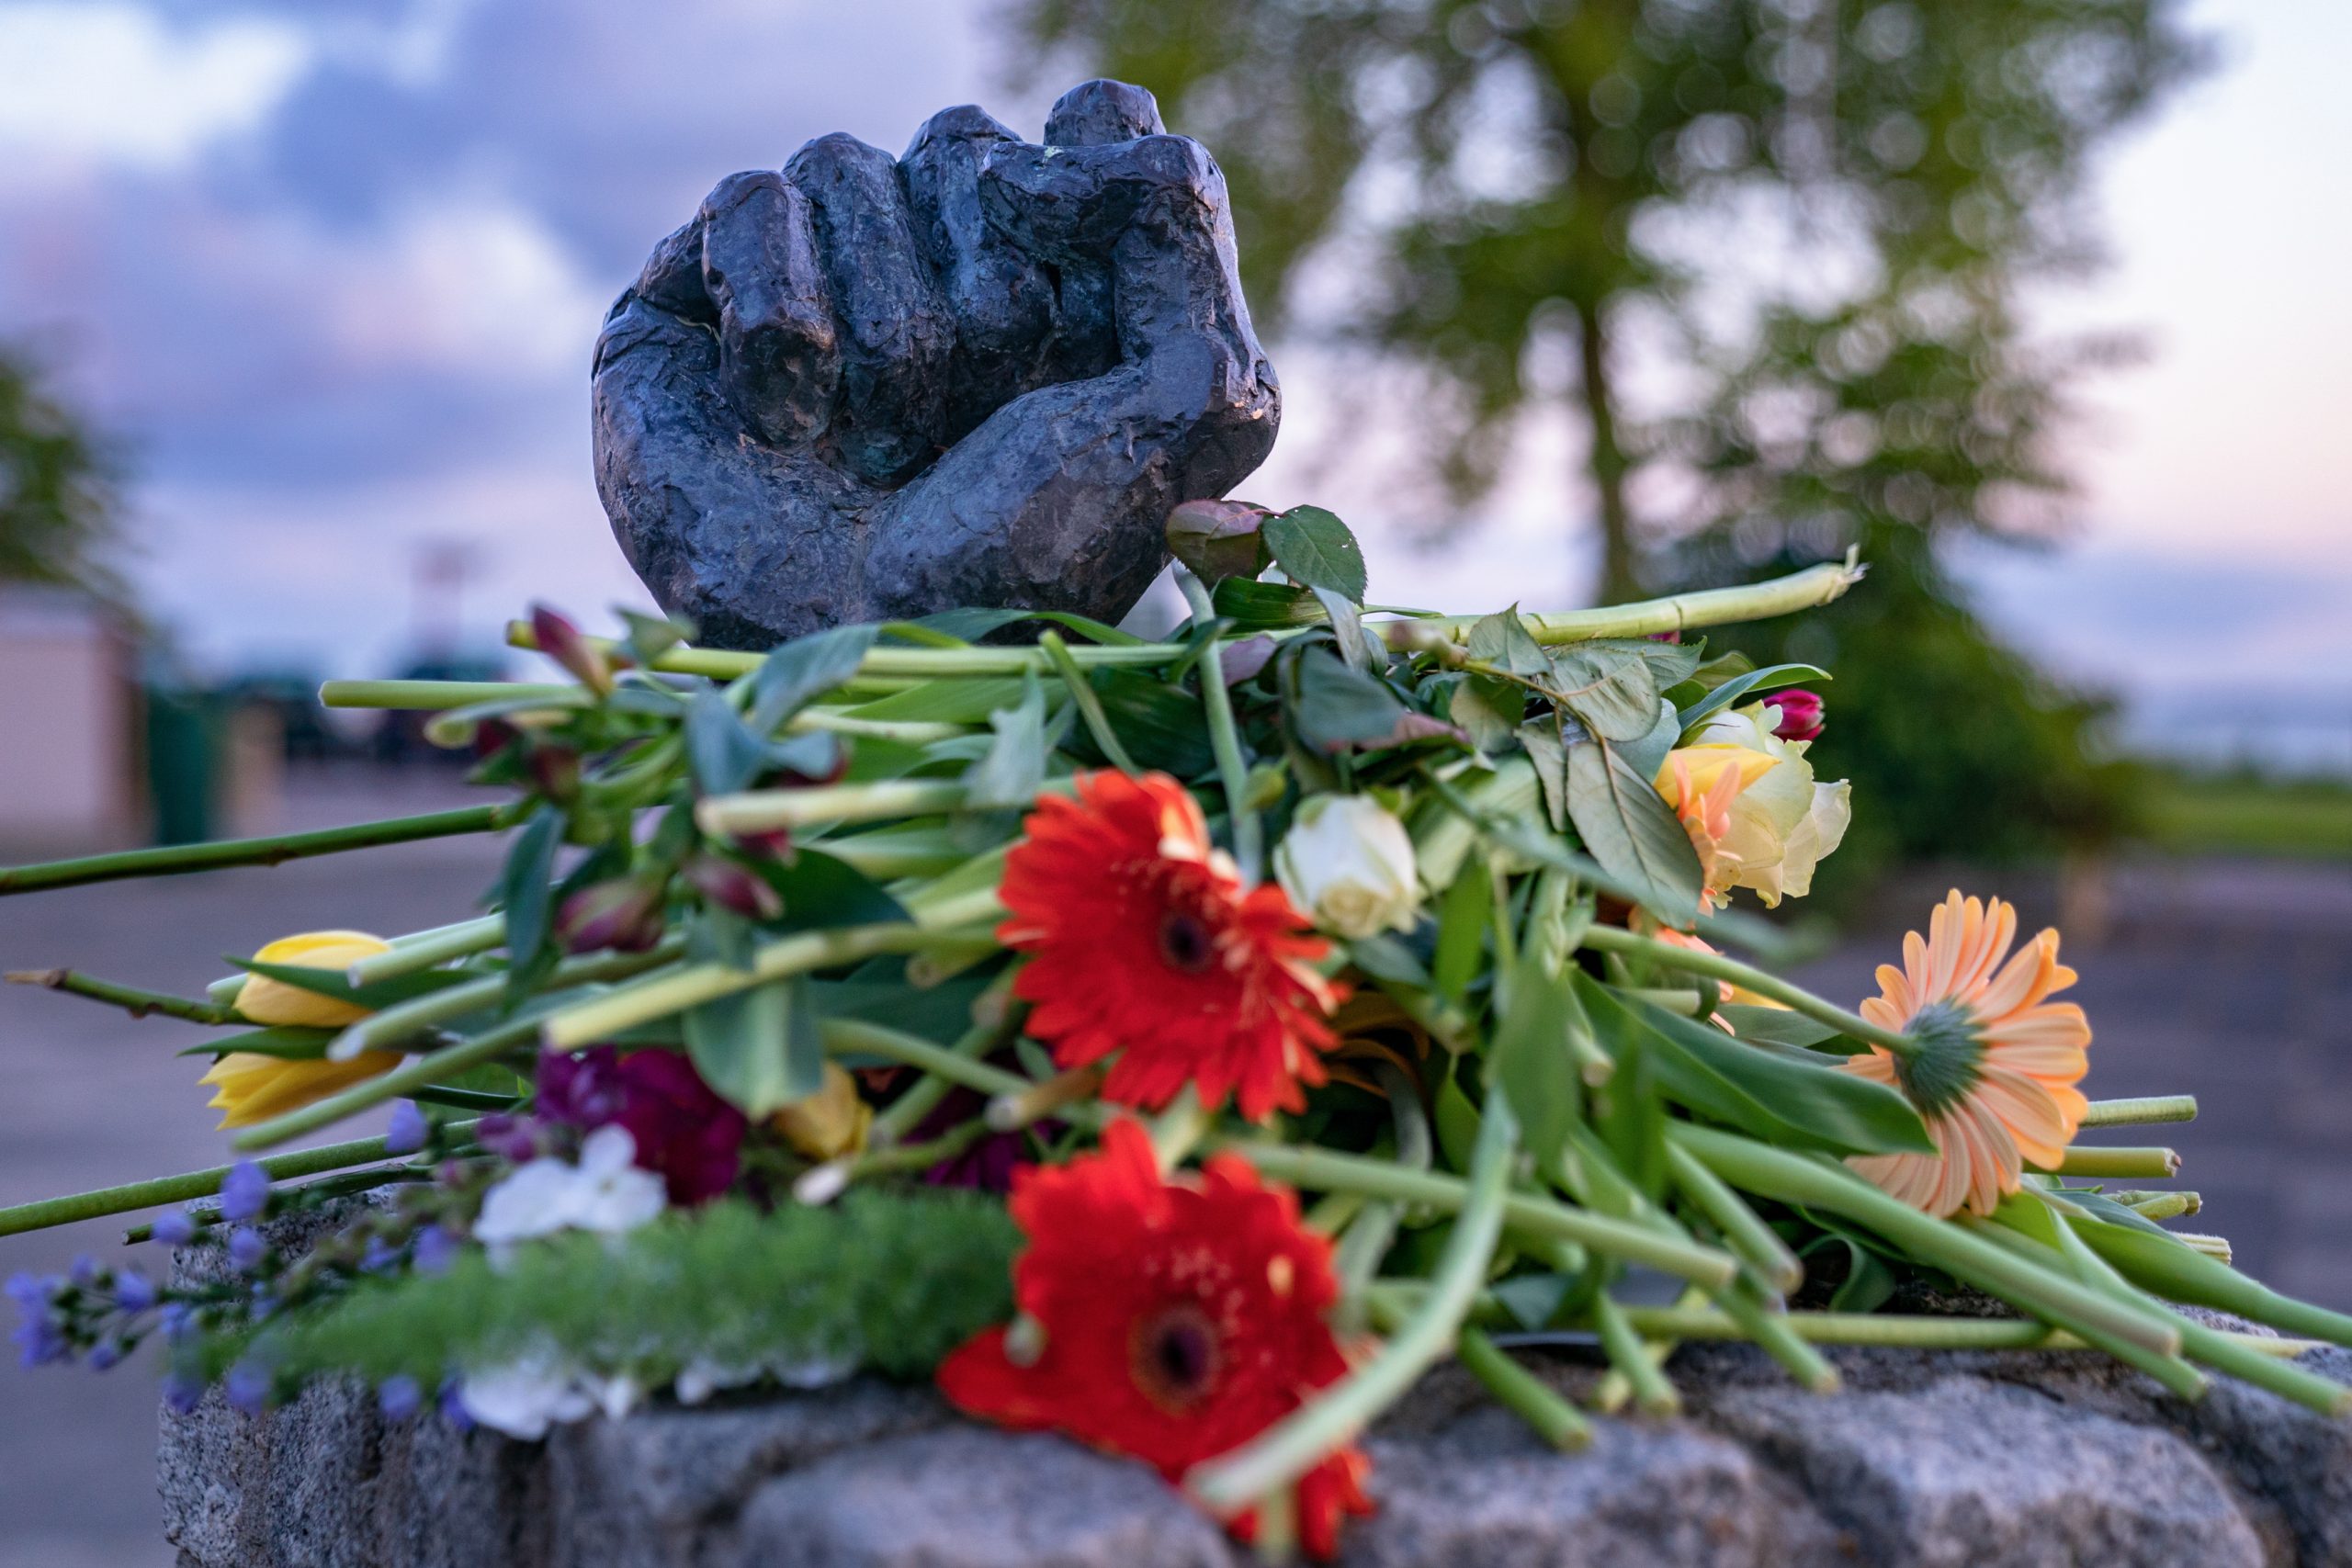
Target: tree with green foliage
{"x": 58, "y": 502}
{"x": 1825, "y": 210}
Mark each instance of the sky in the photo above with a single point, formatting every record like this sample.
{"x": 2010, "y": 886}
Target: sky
{"x": 332, "y": 274}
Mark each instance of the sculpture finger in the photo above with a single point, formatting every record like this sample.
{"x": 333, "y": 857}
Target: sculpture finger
{"x": 755, "y": 543}
{"x": 779, "y": 355}
{"x": 1095, "y": 113}
{"x": 1001, "y": 300}
{"x": 896, "y": 338}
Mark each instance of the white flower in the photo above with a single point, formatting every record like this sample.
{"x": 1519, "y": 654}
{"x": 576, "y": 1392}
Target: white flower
{"x": 523, "y": 1400}
{"x": 1349, "y": 864}
{"x": 604, "y": 1192}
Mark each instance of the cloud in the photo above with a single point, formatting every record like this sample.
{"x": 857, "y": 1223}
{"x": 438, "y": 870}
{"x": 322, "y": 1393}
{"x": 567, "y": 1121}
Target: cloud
{"x": 117, "y": 82}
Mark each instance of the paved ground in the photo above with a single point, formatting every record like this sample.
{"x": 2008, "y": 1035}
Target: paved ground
{"x": 2232, "y": 982}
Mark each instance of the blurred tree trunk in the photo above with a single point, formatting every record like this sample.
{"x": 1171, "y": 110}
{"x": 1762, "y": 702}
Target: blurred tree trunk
{"x": 1605, "y": 461}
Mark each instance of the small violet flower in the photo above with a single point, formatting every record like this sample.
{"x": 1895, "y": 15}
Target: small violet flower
{"x": 182, "y": 1392}
{"x": 133, "y": 1291}
{"x": 434, "y": 1250}
{"x": 398, "y": 1397}
{"x": 244, "y": 1194}
{"x": 409, "y": 1129}
{"x": 248, "y": 1387}
{"x": 247, "y": 1248}
{"x": 174, "y": 1227}
{"x": 104, "y": 1355}
{"x": 176, "y": 1320}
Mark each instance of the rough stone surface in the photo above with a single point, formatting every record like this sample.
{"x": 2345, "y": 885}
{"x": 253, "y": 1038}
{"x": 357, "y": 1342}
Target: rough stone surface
{"x": 1988, "y": 1460}
{"x": 980, "y": 374}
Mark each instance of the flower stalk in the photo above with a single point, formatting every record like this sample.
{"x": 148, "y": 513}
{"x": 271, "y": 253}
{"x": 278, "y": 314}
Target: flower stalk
{"x": 2145, "y": 1112}
{"x": 138, "y": 1003}
{"x": 1615, "y": 939}
{"x": 175, "y": 860}
{"x": 1225, "y": 741}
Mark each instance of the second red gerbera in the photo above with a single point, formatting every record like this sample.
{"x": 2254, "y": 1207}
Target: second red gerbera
{"x": 1180, "y": 1319}
{"x": 1142, "y": 942}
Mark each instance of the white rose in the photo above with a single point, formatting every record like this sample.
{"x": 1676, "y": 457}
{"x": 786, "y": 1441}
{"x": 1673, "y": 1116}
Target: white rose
{"x": 1349, "y": 864}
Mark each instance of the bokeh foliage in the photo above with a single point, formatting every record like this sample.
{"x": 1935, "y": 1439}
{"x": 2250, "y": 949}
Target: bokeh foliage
{"x": 58, "y": 510}
{"x": 1824, "y": 211}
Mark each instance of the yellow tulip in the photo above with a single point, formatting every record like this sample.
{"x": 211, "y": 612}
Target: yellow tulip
{"x": 829, "y": 1123}
{"x": 249, "y": 1087}
{"x": 269, "y": 1001}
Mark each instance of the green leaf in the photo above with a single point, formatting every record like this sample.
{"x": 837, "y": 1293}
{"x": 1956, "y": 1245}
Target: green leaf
{"x": 722, "y": 754}
{"x": 1731, "y": 691}
{"x": 1384, "y": 957}
{"x": 287, "y": 1041}
{"x": 1529, "y": 1059}
{"x": 1162, "y": 726}
{"x": 1336, "y": 708}
{"x": 1544, "y": 748}
{"x": 650, "y": 636}
{"x": 1252, "y": 605}
{"x": 1010, "y": 773}
{"x": 944, "y": 702}
{"x": 1461, "y": 929}
{"x": 1777, "y": 1026}
{"x": 1503, "y": 640}
{"x": 525, "y": 894}
{"x": 335, "y": 983}
{"x": 1632, "y": 833}
{"x": 1611, "y": 690}
{"x": 820, "y": 891}
{"x": 1669, "y": 662}
{"x": 1315, "y": 549}
{"x": 1455, "y": 1120}
{"x": 1346, "y": 628}
{"x": 1790, "y": 1102}
{"x": 760, "y": 1050}
{"x": 971, "y": 625}
{"x": 1648, "y": 755}
{"x": 804, "y": 669}
{"x": 1487, "y": 710}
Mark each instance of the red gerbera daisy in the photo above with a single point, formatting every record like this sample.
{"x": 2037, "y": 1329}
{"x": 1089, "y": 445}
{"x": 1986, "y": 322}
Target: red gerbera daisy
{"x": 1182, "y": 1318}
{"x": 1143, "y": 939}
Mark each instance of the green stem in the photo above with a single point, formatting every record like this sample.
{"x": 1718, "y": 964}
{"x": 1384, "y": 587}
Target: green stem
{"x": 1902, "y": 1331}
{"x": 1805, "y": 589}
{"x": 1796, "y": 1178}
{"x": 1277, "y": 1457}
{"x": 403, "y": 1021}
{"x": 131, "y": 998}
{"x": 180, "y": 1189}
{"x": 1771, "y": 1330}
{"x": 996, "y": 1017}
{"x": 426, "y": 949}
{"x": 1090, "y": 705}
{"x": 2141, "y": 1113}
{"x": 675, "y": 990}
{"x": 2134, "y": 1163}
{"x": 761, "y": 811}
{"x": 428, "y": 696}
{"x": 1322, "y": 1170}
{"x": 173, "y": 860}
{"x": 1743, "y": 1232}
{"x": 417, "y": 1074}
{"x": 1224, "y": 740}
{"x": 1615, "y": 939}
{"x": 1631, "y": 1358}
{"x": 918, "y": 663}
{"x": 1555, "y": 1420}
{"x": 843, "y": 1036}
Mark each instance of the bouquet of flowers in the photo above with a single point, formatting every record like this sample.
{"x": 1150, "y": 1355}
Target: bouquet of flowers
{"x": 1179, "y": 1045}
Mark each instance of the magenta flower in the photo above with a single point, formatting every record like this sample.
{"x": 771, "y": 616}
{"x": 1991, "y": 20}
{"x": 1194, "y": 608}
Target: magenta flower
{"x": 684, "y": 1134}
{"x": 1800, "y": 714}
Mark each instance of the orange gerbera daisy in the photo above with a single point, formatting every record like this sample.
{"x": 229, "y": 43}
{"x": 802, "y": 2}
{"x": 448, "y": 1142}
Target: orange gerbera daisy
{"x": 1994, "y": 1080}
{"x": 1144, "y": 942}
{"x": 1180, "y": 1319}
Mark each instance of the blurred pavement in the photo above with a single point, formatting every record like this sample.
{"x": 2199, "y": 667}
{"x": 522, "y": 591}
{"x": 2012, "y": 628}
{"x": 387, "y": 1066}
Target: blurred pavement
{"x": 2229, "y": 980}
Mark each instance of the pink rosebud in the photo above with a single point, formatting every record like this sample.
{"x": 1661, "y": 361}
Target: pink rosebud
{"x": 1800, "y": 715}
{"x": 561, "y": 641}
{"x": 1217, "y": 539}
{"x": 1674, "y": 636}
{"x": 733, "y": 887}
{"x": 624, "y": 914}
{"x": 769, "y": 843}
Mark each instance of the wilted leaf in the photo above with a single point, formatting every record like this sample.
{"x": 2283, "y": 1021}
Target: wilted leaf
{"x": 1550, "y": 758}
{"x": 1611, "y": 690}
{"x": 1487, "y": 710}
{"x": 1503, "y": 640}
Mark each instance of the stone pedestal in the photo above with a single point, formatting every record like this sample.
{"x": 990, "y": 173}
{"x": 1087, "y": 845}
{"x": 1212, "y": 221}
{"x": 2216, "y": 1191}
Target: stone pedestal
{"x": 1982, "y": 1460}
